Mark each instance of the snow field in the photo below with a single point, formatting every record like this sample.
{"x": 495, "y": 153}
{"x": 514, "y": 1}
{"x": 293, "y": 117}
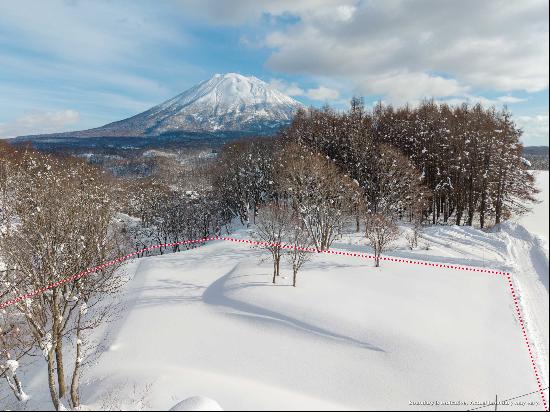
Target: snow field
{"x": 349, "y": 337}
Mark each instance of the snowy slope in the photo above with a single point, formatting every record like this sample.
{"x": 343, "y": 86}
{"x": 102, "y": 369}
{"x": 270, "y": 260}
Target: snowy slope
{"x": 207, "y": 322}
{"x": 350, "y": 336}
{"x": 225, "y": 103}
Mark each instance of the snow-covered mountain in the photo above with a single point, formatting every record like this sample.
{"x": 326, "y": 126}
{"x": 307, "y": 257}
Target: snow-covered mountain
{"x": 224, "y": 103}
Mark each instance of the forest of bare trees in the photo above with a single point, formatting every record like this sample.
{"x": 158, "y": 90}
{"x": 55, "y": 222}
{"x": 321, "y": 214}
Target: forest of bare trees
{"x": 460, "y": 165}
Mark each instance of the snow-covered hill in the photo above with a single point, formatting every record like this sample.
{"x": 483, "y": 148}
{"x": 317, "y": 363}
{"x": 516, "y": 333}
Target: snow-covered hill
{"x": 207, "y": 322}
{"x": 225, "y": 103}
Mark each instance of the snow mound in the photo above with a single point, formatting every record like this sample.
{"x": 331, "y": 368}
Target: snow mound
{"x": 527, "y": 250}
{"x": 197, "y": 403}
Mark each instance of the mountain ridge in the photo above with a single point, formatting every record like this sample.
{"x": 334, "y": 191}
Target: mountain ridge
{"x": 227, "y": 102}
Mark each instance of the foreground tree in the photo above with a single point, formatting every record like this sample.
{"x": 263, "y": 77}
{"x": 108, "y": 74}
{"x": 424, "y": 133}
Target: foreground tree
{"x": 15, "y": 339}
{"x": 381, "y": 233}
{"x": 59, "y": 224}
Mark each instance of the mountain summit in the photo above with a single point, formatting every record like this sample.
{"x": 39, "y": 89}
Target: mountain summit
{"x": 225, "y": 103}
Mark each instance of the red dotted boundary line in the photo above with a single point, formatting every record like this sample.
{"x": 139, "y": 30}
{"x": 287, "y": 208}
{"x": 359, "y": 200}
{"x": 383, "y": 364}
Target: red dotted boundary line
{"x": 121, "y": 259}
{"x": 526, "y": 339}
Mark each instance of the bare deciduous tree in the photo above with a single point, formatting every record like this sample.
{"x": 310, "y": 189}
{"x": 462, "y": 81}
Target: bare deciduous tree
{"x": 60, "y": 224}
{"x": 298, "y": 240}
{"x": 272, "y": 225}
{"x": 400, "y": 157}
{"x": 320, "y": 194}
{"x": 413, "y": 236}
{"x": 244, "y": 176}
{"x": 381, "y": 233}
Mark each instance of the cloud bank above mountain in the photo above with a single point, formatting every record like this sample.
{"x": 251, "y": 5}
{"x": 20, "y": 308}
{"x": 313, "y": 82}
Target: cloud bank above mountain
{"x": 321, "y": 51}
{"x": 435, "y": 49}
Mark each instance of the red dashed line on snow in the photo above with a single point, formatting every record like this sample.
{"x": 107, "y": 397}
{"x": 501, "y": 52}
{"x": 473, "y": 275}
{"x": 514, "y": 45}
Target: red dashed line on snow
{"x": 121, "y": 259}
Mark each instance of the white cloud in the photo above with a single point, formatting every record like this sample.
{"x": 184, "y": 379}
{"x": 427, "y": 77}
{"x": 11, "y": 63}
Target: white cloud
{"x": 323, "y": 93}
{"x": 407, "y": 50}
{"x": 400, "y": 49}
{"x": 290, "y": 89}
{"x": 535, "y": 129}
{"x": 406, "y": 87}
{"x": 345, "y": 13}
{"x": 510, "y": 99}
{"x": 39, "y": 122}
{"x": 237, "y": 12}
{"x": 485, "y": 101}
{"x": 92, "y": 32}
{"x": 319, "y": 93}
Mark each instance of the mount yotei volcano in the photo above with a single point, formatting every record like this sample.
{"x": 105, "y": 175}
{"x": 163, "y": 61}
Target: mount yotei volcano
{"x": 224, "y": 103}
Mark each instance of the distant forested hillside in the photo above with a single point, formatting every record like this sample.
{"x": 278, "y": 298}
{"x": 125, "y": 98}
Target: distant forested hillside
{"x": 537, "y": 156}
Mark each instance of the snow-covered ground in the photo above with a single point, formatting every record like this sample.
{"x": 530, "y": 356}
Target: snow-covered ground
{"x": 207, "y": 322}
{"x": 537, "y": 221}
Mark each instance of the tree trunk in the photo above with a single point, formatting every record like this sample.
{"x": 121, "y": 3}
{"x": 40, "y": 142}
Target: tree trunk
{"x": 458, "y": 216}
{"x": 498, "y": 207}
{"x": 482, "y": 209}
{"x": 51, "y": 380}
{"x": 15, "y": 385}
{"x": 75, "y": 398}
{"x": 58, "y": 340}
{"x": 470, "y": 217}
{"x": 446, "y": 211}
{"x": 295, "y": 275}
{"x": 60, "y": 368}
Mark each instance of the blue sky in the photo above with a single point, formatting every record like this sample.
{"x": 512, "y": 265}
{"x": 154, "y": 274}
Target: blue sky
{"x": 69, "y": 65}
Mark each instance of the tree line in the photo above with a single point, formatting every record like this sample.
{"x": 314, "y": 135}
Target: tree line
{"x": 432, "y": 163}
{"x": 293, "y": 195}
{"x": 460, "y": 165}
